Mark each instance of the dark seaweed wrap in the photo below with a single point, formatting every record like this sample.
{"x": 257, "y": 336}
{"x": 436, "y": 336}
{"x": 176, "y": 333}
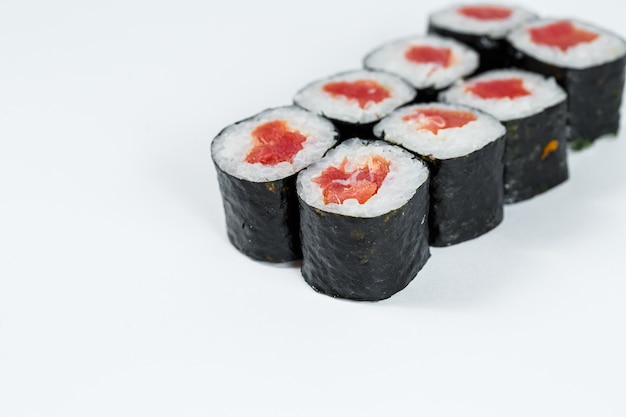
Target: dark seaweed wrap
{"x": 354, "y": 130}
{"x": 367, "y": 259}
{"x": 466, "y": 194}
{"x": 535, "y": 155}
{"x": 430, "y": 94}
{"x": 594, "y": 95}
{"x": 262, "y": 218}
{"x": 492, "y": 51}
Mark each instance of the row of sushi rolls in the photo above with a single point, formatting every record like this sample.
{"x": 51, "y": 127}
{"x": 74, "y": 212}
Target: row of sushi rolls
{"x": 422, "y": 147}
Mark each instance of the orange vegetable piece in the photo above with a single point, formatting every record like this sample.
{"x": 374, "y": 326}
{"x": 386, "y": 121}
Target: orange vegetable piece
{"x": 550, "y": 147}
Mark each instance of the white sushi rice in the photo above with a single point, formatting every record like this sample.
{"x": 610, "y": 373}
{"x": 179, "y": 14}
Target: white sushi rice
{"x": 406, "y": 175}
{"x": 314, "y": 98}
{"x": 544, "y": 93}
{"x": 450, "y": 19}
{"x": 605, "y": 48}
{"x": 446, "y": 143}
{"x": 231, "y": 146}
{"x": 391, "y": 58}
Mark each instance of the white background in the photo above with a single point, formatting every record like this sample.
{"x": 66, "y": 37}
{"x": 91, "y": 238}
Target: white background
{"x": 121, "y": 296}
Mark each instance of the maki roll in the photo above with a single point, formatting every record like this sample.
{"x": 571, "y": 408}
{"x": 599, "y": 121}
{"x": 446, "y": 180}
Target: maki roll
{"x": 354, "y": 101}
{"x": 256, "y": 161}
{"x": 429, "y": 63}
{"x": 587, "y": 62}
{"x": 463, "y": 148}
{"x": 532, "y": 109}
{"x": 363, "y": 211}
{"x": 483, "y": 27}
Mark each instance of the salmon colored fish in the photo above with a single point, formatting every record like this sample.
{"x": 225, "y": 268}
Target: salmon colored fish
{"x": 434, "y": 119}
{"x": 363, "y": 91}
{"x": 502, "y": 88}
{"x": 422, "y": 54}
{"x": 485, "y": 12}
{"x": 562, "y": 34}
{"x": 361, "y": 183}
{"x": 274, "y": 142}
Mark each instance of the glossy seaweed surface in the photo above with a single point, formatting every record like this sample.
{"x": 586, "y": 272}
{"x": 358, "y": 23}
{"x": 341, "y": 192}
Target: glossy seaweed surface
{"x": 594, "y": 96}
{"x": 262, "y": 218}
{"x": 535, "y": 155}
{"x": 365, "y": 258}
{"x": 466, "y": 195}
{"x": 427, "y": 95}
{"x": 354, "y": 130}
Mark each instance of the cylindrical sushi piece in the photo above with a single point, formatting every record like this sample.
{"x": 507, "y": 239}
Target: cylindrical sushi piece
{"x": 463, "y": 148}
{"x": 483, "y": 27}
{"x": 257, "y": 161}
{"x": 363, "y": 213}
{"x": 532, "y": 109}
{"x": 355, "y": 100}
{"x": 430, "y": 63}
{"x": 587, "y": 62}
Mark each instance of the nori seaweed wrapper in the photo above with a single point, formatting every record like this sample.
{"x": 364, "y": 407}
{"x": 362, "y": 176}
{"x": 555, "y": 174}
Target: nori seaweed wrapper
{"x": 430, "y": 94}
{"x": 262, "y": 218}
{"x": 367, "y": 259}
{"x": 354, "y": 130}
{"x": 535, "y": 155}
{"x": 492, "y": 51}
{"x": 594, "y": 95}
{"x": 404, "y": 94}
{"x": 466, "y": 194}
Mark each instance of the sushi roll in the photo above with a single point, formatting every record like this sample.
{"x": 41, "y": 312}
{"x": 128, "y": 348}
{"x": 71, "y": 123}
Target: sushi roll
{"x": 429, "y": 63}
{"x": 587, "y": 62}
{"x": 483, "y": 27}
{"x": 355, "y": 100}
{"x": 463, "y": 148}
{"x": 256, "y": 161}
{"x": 363, "y": 213}
{"x": 532, "y": 109}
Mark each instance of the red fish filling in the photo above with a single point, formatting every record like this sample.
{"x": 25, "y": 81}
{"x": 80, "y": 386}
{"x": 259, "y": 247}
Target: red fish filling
{"x": 274, "y": 142}
{"x": 363, "y": 91}
{"x": 339, "y": 184}
{"x": 441, "y": 57}
{"x": 436, "y": 119}
{"x": 486, "y": 12}
{"x": 503, "y": 88}
{"x": 562, "y": 34}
